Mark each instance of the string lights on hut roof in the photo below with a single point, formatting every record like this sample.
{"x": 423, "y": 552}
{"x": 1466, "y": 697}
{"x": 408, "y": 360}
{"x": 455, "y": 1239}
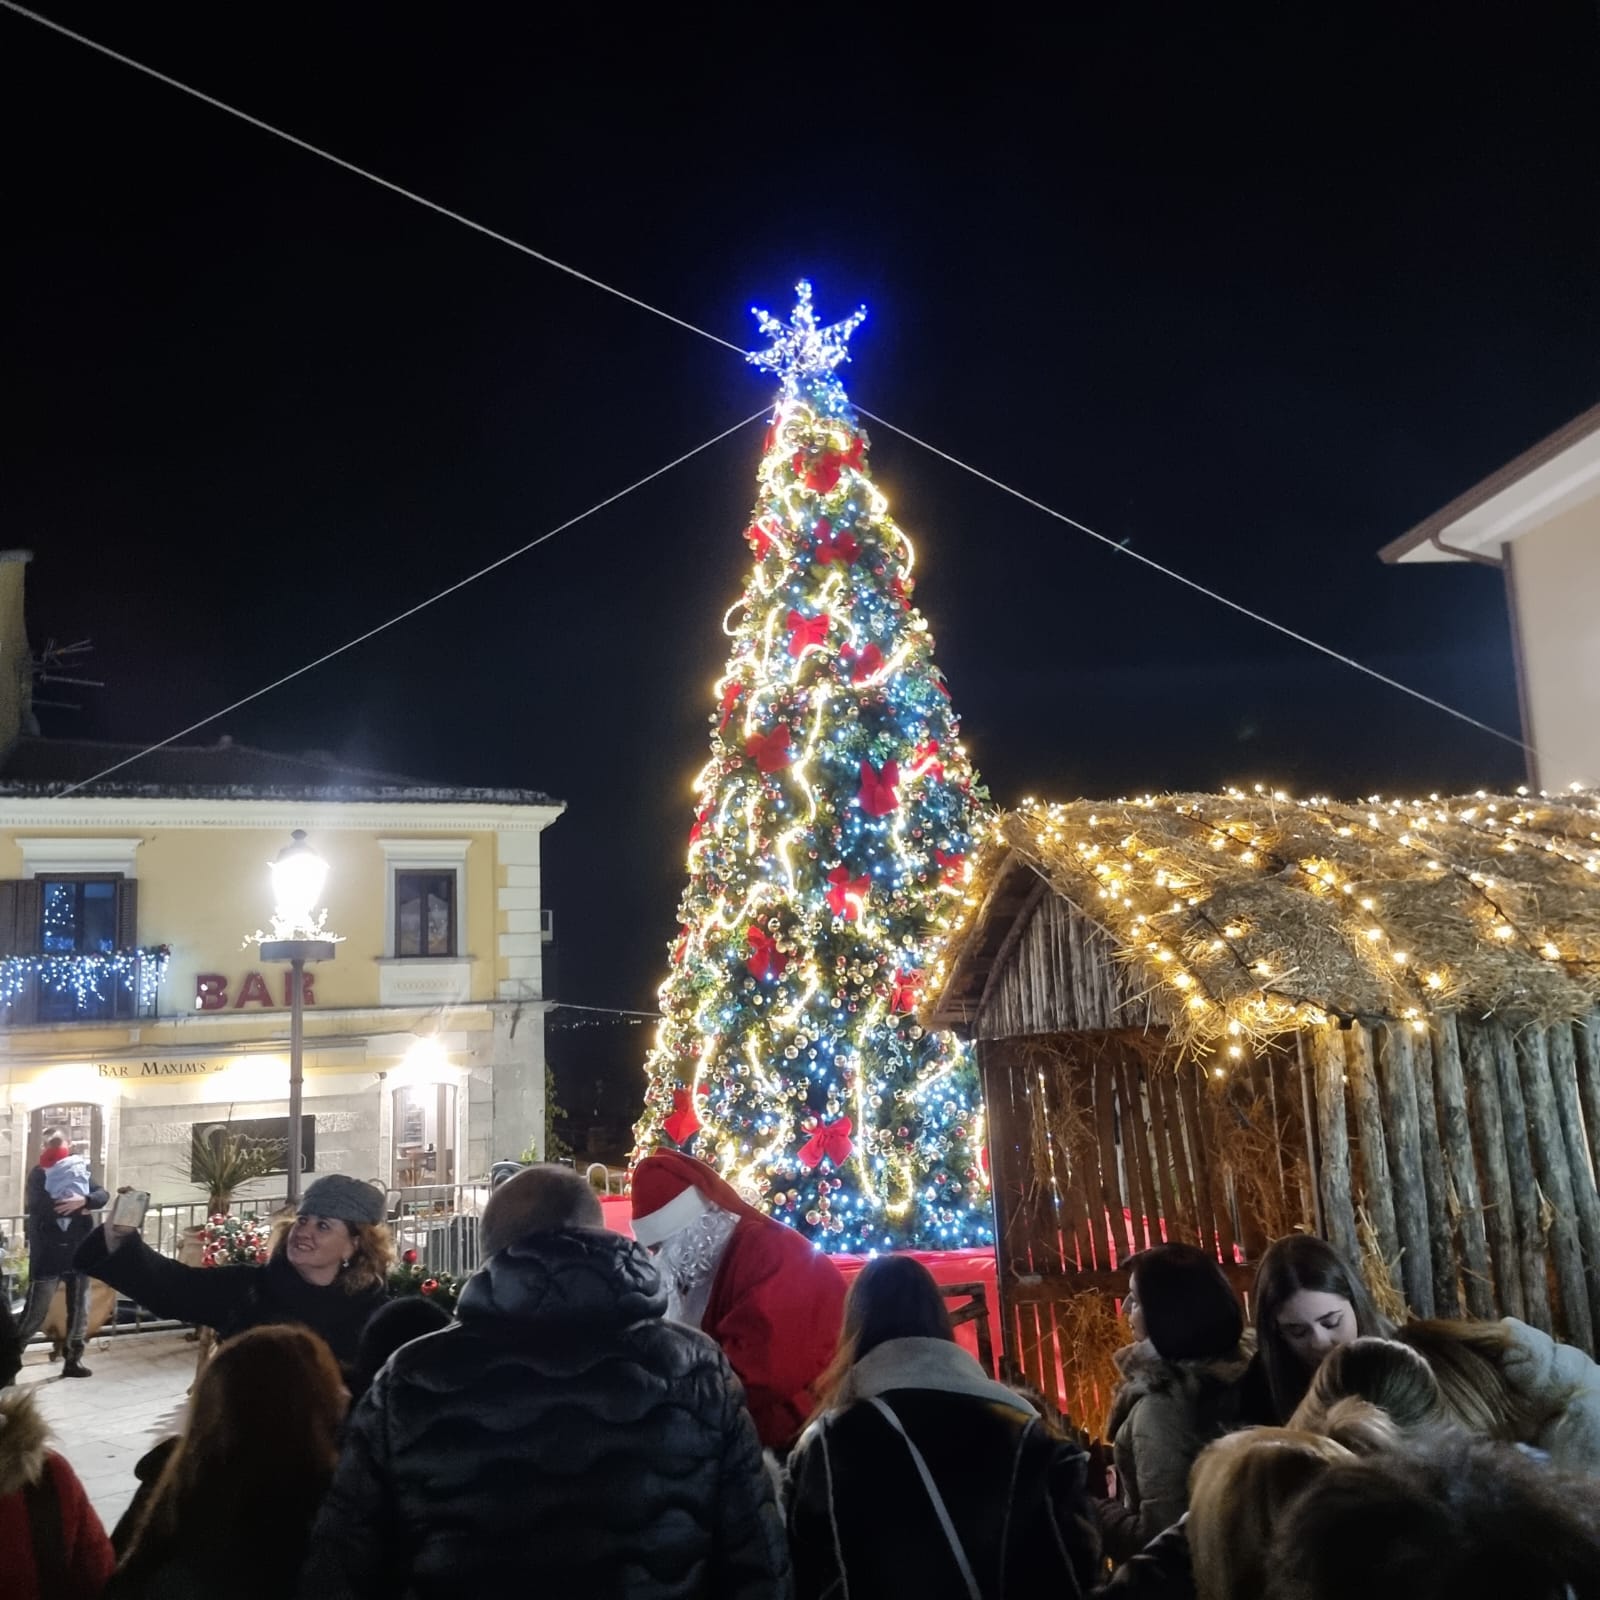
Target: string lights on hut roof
{"x": 1253, "y": 913}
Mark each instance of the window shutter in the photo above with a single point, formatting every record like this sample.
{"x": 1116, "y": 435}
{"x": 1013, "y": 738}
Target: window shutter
{"x": 19, "y": 936}
{"x": 127, "y": 913}
{"x": 8, "y": 916}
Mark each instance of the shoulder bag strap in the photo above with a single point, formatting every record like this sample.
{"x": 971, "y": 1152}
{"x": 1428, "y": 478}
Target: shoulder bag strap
{"x": 45, "y": 1529}
{"x": 956, "y": 1548}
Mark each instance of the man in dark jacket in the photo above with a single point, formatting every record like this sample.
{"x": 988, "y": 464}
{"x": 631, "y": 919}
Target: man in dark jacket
{"x": 51, "y": 1249}
{"x": 562, "y": 1436}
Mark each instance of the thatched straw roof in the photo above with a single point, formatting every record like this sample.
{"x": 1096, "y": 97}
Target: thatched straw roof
{"x": 1256, "y": 913}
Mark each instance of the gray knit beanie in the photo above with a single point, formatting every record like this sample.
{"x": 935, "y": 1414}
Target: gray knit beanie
{"x": 347, "y": 1199}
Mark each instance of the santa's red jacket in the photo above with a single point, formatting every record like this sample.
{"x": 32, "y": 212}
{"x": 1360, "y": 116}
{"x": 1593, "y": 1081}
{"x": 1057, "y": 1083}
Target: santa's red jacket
{"x": 776, "y": 1307}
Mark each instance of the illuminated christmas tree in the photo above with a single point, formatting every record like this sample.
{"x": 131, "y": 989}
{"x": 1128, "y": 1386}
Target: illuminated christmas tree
{"x": 836, "y": 816}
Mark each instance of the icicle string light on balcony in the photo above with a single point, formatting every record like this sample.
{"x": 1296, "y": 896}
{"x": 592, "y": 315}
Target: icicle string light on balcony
{"x": 1254, "y": 914}
{"x": 89, "y": 979}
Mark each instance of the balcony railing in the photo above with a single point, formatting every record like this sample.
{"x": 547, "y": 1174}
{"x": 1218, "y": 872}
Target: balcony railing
{"x": 70, "y": 987}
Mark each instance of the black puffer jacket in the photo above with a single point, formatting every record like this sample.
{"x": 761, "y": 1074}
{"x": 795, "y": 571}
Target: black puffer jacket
{"x": 562, "y": 1438}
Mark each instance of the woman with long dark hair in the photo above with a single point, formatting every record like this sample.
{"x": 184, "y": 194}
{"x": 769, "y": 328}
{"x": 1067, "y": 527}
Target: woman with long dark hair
{"x": 1502, "y": 1381}
{"x": 921, "y": 1475}
{"x": 1183, "y": 1385}
{"x": 1307, "y": 1301}
{"x": 233, "y": 1508}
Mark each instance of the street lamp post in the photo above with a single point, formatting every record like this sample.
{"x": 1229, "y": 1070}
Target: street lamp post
{"x": 298, "y": 877}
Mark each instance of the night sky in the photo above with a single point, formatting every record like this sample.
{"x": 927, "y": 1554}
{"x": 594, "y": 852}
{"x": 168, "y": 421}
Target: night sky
{"x": 1254, "y": 295}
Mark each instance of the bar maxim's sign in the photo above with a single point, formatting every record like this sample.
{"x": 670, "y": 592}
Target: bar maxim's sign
{"x": 157, "y": 1069}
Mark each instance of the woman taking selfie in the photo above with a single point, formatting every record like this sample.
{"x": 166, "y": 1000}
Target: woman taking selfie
{"x": 328, "y": 1272}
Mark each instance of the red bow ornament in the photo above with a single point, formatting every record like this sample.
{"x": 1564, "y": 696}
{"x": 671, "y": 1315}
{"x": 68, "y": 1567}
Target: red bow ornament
{"x": 821, "y": 474}
{"x": 770, "y": 751}
{"x": 759, "y": 539}
{"x": 900, "y": 588}
{"x": 806, "y": 633}
{"x": 765, "y": 957}
{"x": 730, "y": 698}
{"x": 880, "y": 792}
{"x": 831, "y": 1140}
{"x": 952, "y": 869}
{"x": 847, "y": 895}
{"x": 852, "y": 456}
{"x": 925, "y": 763}
{"x": 684, "y": 1123}
{"x": 699, "y": 824}
{"x": 835, "y": 544}
{"x": 868, "y": 662}
{"x": 906, "y": 990}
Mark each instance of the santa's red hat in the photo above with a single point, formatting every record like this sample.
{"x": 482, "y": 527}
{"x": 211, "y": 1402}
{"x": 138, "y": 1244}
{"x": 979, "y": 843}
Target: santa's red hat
{"x": 671, "y": 1189}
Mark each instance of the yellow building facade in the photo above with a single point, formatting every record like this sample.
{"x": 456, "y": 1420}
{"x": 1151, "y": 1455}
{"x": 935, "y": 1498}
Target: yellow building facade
{"x": 133, "y": 1012}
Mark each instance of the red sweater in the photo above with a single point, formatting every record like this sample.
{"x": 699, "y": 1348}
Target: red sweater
{"x": 86, "y": 1556}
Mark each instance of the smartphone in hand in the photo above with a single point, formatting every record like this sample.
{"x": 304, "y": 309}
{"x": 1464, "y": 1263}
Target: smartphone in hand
{"x": 129, "y": 1208}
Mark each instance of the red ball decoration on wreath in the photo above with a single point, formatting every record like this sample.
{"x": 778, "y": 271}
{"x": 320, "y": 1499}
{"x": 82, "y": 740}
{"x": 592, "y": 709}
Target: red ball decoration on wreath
{"x": 410, "y": 1258}
{"x": 429, "y": 1286}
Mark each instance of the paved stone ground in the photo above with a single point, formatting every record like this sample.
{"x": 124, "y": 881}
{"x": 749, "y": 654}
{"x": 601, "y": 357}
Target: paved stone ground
{"x": 103, "y": 1424}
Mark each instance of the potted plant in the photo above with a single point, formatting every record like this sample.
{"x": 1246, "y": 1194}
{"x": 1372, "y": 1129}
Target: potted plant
{"x": 223, "y": 1161}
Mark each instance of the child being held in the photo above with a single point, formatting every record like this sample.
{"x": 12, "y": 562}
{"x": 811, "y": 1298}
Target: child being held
{"x": 65, "y": 1176}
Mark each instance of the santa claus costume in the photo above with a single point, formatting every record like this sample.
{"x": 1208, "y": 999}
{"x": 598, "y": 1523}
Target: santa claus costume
{"x": 771, "y": 1300}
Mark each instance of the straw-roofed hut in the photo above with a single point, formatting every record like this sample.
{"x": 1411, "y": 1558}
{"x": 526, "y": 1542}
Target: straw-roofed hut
{"x": 1224, "y": 1017}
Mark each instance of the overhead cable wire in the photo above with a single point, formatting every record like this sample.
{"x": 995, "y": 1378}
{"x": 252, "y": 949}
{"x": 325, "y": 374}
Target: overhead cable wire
{"x": 1199, "y": 588}
{"x": 411, "y": 611}
{"x": 644, "y": 305}
{"x": 360, "y": 172}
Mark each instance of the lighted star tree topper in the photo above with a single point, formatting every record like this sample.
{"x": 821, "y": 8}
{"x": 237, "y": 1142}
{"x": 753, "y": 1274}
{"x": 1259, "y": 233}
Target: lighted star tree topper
{"x": 835, "y": 821}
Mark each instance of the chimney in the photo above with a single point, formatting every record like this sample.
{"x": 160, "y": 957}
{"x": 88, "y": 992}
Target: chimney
{"x": 16, "y": 659}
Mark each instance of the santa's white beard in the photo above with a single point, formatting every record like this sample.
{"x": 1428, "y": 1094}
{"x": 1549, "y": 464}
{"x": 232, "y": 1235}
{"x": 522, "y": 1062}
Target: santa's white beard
{"x": 688, "y": 1261}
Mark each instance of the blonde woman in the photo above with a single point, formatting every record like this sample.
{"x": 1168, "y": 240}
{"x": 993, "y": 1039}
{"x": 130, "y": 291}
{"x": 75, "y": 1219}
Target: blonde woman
{"x": 328, "y": 1272}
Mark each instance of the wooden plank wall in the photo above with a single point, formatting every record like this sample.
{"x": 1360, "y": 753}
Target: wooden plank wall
{"x": 1462, "y": 1155}
{"x": 1061, "y": 975}
{"x": 1102, "y": 1144}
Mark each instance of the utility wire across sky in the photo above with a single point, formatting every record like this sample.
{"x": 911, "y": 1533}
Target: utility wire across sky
{"x": 1121, "y": 547}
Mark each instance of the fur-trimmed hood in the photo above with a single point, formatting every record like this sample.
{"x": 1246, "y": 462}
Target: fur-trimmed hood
{"x": 23, "y": 1441}
{"x": 1200, "y": 1382}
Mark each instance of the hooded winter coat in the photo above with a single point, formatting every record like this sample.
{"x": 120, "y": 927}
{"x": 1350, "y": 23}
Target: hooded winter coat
{"x": 562, "y": 1435}
{"x": 862, "y": 1523}
{"x": 38, "y": 1490}
{"x": 1162, "y": 1416}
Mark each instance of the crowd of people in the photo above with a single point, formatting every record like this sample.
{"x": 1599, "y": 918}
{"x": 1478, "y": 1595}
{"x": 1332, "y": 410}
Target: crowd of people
{"x": 566, "y": 1433}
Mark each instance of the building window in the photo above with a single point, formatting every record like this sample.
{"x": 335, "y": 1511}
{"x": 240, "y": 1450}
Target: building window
{"x": 425, "y": 913}
{"x": 424, "y": 1135}
{"x": 80, "y": 916}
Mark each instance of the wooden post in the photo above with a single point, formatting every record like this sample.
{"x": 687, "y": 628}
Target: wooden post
{"x": 1441, "y": 1226}
{"x": 1524, "y": 1188}
{"x": 1376, "y": 1190}
{"x": 1550, "y": 1158}
{"x": 1456, "y": 1129}
{"x": 1586, "y": 1038}
{"x": 1303, "y": 1063}
{"x": 1339, "y": 1213}
{"x": 1397, "y": 1080}
{"x": 1489, "y": 1141}
{"x": 1585, "y": 1197}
